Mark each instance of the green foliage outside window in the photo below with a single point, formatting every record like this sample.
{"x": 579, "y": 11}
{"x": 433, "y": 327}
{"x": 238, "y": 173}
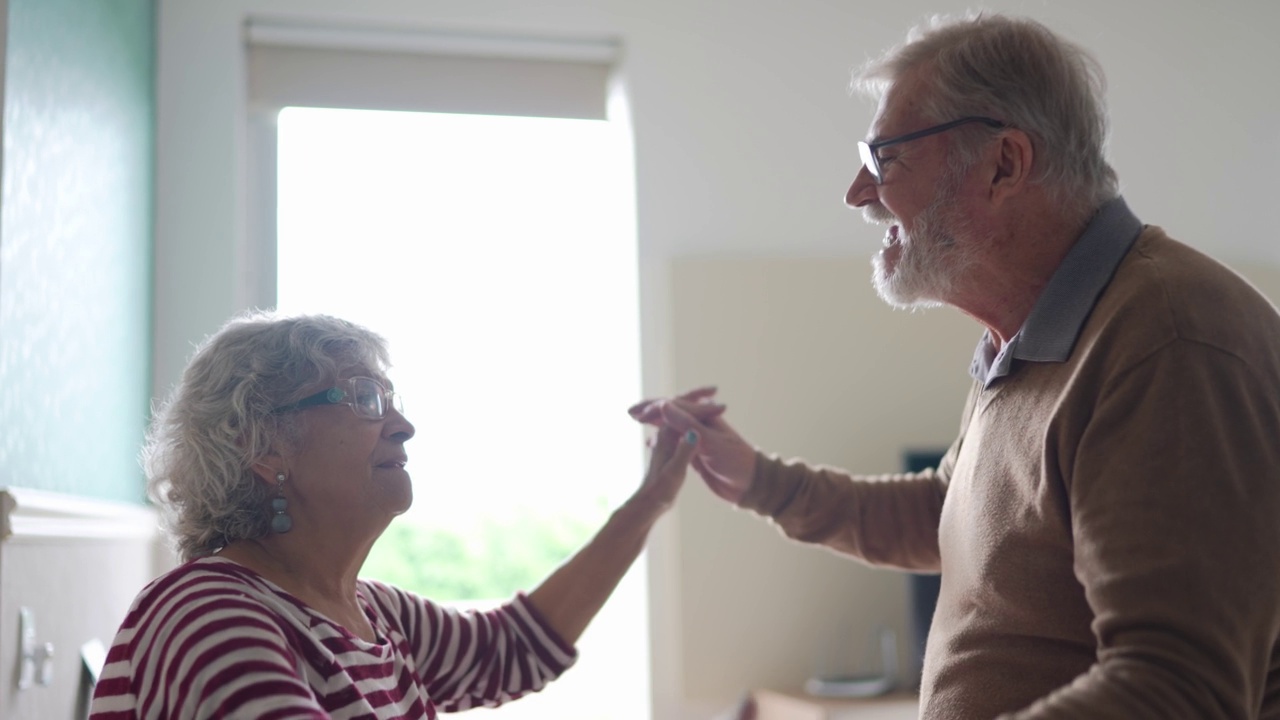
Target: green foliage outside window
{"x": 491, "y": 557}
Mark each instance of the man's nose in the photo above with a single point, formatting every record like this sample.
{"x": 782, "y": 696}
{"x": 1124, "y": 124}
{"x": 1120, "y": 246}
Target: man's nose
{"x": 862, "y": 191}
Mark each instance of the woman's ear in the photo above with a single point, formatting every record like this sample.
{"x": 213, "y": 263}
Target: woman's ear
{"x": 268, "y": 468}
{"x": 274, "y": 461}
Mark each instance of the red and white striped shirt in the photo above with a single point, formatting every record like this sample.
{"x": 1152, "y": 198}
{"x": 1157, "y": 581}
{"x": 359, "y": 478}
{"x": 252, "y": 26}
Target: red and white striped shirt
{"x": 213, "y": 639}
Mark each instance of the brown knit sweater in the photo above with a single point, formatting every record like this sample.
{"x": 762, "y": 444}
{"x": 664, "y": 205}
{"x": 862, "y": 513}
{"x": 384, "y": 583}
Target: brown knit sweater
{"x": 1108, "y": 528}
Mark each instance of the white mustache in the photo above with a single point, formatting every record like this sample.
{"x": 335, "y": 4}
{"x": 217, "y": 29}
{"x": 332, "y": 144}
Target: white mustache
{"x": 876, "y": 214}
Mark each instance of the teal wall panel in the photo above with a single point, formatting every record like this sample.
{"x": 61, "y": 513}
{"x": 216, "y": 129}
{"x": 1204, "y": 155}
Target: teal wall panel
{"x": 75, "y": 245}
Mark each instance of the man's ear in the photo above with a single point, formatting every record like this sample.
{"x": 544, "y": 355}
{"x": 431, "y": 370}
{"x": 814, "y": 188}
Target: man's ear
{"x": 1014, "y": 156}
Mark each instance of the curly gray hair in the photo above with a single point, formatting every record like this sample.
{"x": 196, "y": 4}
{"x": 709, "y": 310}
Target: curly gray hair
{"x": 205, "y": 438}
{"x": 1018, "y": 71}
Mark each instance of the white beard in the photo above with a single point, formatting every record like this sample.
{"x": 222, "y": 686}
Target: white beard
{"x": 931, "y": 261}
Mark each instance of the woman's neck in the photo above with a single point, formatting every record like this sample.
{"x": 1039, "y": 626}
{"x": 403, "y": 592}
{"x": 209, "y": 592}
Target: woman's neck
{"x": 325, "y": 582}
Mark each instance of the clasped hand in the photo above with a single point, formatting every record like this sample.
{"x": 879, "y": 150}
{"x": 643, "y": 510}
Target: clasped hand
{"x": 723, "y": 459}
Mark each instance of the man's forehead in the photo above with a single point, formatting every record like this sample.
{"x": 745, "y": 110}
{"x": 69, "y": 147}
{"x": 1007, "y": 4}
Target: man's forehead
{"x": 898, "y": 108}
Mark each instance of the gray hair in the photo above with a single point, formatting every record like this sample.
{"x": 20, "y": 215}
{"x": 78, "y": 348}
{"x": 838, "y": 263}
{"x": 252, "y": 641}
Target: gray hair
{"x": 1017, "y": 71}
{"x": 205, "y": 438}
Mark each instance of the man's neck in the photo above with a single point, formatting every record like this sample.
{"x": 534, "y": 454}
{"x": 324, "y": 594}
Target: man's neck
{"x": 1017, "y": 264}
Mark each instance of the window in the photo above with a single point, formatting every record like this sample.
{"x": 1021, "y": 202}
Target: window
{"x": 497, "y": 255}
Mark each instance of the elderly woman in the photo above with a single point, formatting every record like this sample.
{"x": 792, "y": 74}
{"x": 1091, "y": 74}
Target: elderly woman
{"x": 278, "y": 461}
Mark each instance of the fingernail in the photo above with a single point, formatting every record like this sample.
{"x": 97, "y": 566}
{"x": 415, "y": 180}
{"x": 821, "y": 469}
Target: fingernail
{"x": 691, "y": 437}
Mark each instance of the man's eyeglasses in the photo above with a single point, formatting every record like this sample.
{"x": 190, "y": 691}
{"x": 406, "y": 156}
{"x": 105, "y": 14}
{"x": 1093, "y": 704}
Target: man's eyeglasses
{"x": 367, "y": 397}
{"x": 870, "y": 152}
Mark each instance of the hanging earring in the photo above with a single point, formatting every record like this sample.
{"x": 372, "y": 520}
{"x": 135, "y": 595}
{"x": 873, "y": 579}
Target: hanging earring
{"x": 280, "y": 521}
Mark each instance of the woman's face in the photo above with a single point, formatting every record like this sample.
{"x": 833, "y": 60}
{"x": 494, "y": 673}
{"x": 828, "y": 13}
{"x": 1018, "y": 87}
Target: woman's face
{"x": 347, "y": 468}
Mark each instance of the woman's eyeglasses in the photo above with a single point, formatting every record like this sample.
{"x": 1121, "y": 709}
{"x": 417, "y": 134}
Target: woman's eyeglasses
{"x": 367, "y": 397}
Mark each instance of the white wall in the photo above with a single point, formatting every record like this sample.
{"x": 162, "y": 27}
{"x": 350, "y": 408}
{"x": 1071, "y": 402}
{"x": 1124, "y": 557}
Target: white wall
{"x": 757, "y": 610}
{"x": 744, "y": 139}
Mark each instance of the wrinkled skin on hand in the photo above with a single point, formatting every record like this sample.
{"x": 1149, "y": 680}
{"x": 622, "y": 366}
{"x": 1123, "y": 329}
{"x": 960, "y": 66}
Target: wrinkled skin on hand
{"x": 724, "y": 460}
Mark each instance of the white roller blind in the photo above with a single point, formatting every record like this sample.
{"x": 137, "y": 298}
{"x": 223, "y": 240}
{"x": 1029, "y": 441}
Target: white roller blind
{"x": 396, "y": 69}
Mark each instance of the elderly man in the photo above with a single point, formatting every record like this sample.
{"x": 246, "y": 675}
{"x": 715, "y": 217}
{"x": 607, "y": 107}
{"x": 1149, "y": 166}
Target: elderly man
{"x": 1107, "y": 523}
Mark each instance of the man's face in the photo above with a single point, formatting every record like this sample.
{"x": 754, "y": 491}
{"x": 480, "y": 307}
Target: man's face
{"x": 922, "y": 258}
{"x": 924, "y": 254}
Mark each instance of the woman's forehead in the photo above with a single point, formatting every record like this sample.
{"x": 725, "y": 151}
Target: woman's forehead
{"x": 362, "y": 370}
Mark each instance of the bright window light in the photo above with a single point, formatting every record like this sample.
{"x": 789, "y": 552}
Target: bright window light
{"x": 497, "y": 256}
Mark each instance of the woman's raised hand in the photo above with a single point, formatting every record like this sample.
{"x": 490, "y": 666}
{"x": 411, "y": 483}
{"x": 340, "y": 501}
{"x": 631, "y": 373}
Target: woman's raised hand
{"x": 725, "y": 461}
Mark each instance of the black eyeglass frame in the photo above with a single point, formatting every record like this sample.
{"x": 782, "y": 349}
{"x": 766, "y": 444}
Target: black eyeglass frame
{"x": 337, "y": 395}
{"x": 870, "y": 152}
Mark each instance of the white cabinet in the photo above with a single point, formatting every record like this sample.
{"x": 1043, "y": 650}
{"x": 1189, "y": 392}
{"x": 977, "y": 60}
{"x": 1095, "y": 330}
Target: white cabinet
{"x": 69, "y": 569}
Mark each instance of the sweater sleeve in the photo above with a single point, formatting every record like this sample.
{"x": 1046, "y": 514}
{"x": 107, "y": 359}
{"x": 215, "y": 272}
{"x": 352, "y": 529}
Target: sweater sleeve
{"x": 1175, "y": 495}
{"x": 888, "y": 520}
{"x": 478, "y": 658}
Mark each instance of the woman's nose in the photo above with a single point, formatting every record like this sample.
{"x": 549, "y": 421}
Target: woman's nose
{"x": 398, "y": 426}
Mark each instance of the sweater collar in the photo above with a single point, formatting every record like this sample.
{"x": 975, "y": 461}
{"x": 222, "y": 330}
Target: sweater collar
{"x": 1054, "y": 324}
